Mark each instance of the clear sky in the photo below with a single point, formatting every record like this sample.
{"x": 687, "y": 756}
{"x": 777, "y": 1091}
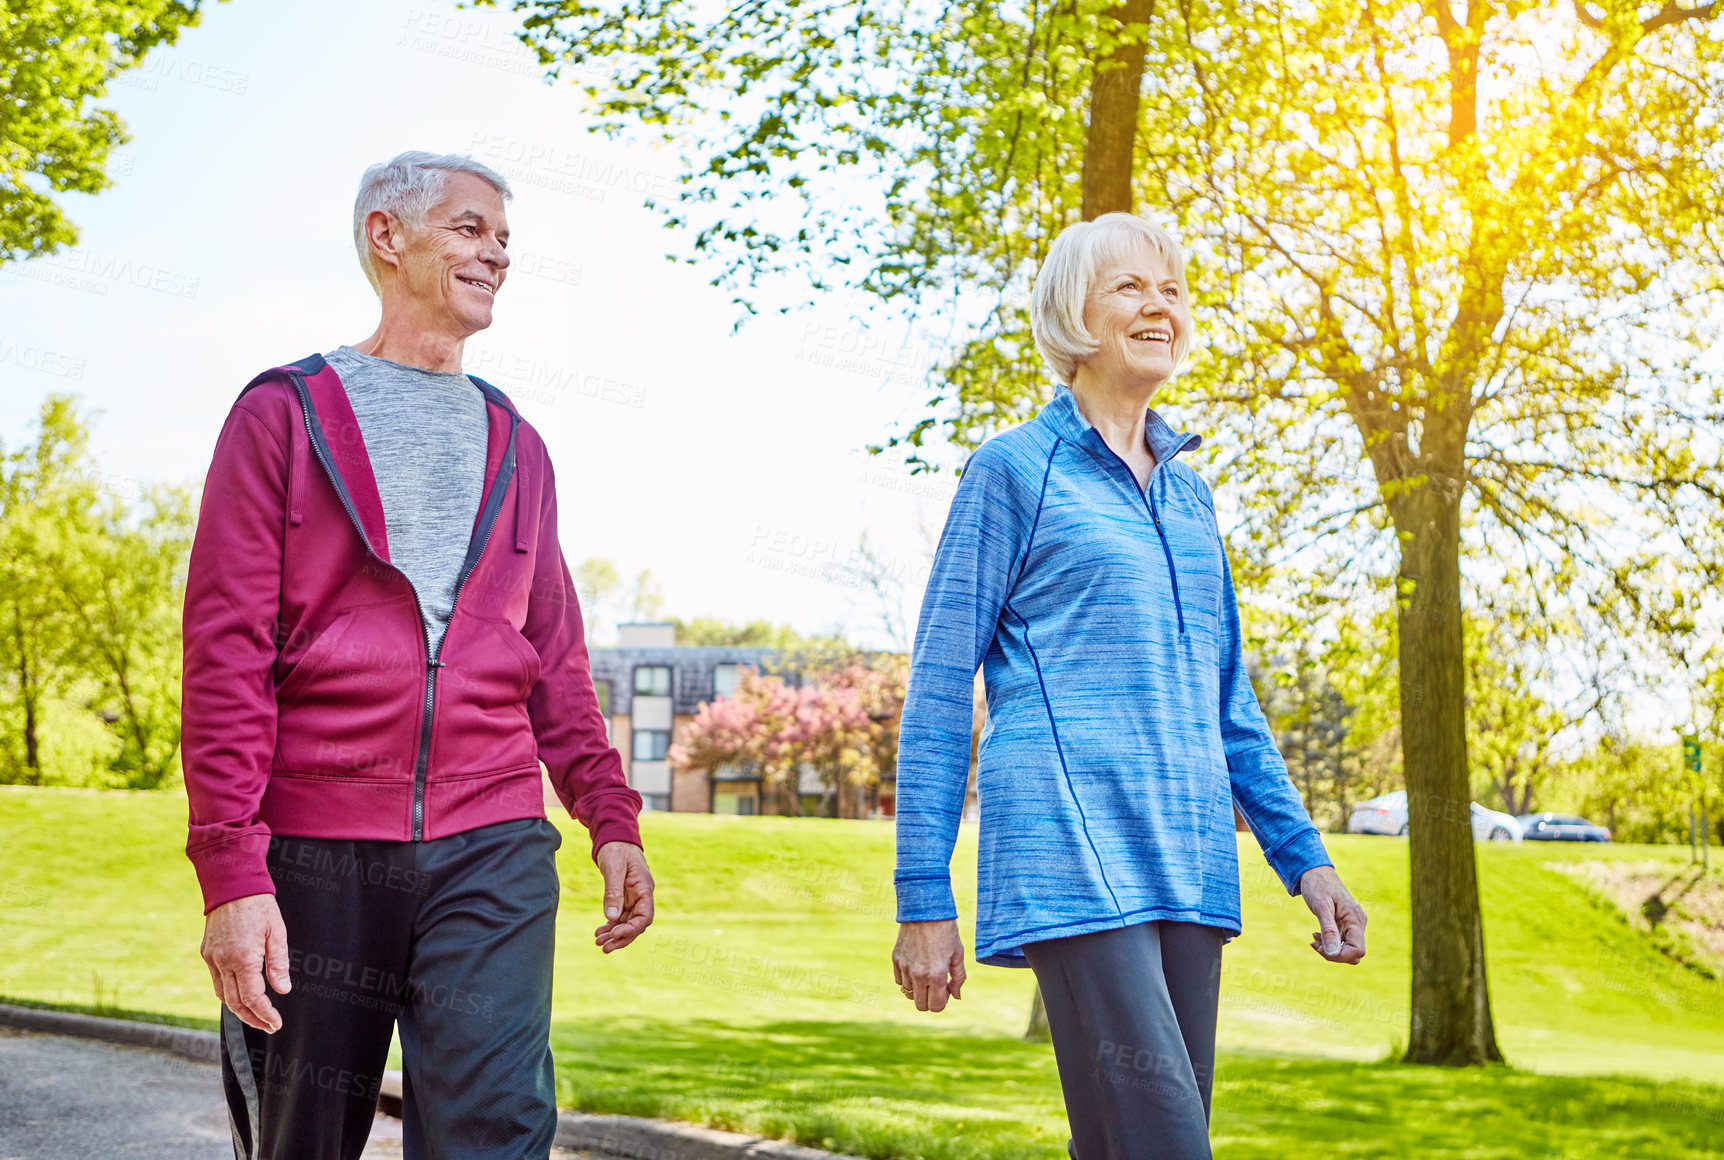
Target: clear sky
{"x": 731, "y": 466}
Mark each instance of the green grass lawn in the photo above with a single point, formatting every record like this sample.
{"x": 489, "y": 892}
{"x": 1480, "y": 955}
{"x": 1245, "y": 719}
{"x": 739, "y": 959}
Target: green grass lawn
{"x": 763, "y": 998}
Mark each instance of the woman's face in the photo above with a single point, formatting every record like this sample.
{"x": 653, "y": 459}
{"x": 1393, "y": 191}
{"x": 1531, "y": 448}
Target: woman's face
{"x": 1136, "y": 311}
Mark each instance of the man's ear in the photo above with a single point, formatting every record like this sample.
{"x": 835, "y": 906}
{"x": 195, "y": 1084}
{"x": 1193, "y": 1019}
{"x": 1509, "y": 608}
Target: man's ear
{"x": 385, "y": 232}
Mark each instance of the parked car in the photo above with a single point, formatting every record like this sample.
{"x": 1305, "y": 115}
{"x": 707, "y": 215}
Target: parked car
{"x": 1496, "y": 825}
{"x": 1549, "y": 827}
{"x": 1388, "y": 815}
{"x": 1380, "y": 815}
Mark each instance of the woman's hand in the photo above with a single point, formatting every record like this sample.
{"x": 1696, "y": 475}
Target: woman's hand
{"x": 928, "y": 963}
{"x": 1341, "y": 920}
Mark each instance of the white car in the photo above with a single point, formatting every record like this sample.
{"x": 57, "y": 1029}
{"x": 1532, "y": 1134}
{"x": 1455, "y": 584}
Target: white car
{"x": 1388, "y": 815}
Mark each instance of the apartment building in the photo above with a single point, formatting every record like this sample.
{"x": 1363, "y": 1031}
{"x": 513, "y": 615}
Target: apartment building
{"x": 649, "y": 686}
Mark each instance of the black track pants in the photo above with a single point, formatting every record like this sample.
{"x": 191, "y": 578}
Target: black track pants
{"x": 452, "y": 937}
{"x": 1132, "y": 1013}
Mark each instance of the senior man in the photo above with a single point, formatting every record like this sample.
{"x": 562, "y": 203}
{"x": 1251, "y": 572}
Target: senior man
{"x": 382, "y": 643}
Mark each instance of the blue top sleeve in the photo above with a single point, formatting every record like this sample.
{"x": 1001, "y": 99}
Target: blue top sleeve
{"x": 1261, "y": 787}
{"x": 983, "y": 542}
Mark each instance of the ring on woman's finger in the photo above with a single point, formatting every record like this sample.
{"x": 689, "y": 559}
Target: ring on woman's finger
{"x": 909, "y": 992}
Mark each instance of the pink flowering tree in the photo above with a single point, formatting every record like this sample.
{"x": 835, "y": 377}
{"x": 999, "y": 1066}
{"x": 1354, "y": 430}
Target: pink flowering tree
{"x": 842, "y": 723}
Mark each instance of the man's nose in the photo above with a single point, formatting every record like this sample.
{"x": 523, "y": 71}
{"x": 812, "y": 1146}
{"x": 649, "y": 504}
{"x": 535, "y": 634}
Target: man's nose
{"x": 495, "y": 256}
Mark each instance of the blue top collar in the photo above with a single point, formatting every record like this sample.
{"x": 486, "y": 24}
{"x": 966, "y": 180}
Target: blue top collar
{"x": 1069, "y": 423}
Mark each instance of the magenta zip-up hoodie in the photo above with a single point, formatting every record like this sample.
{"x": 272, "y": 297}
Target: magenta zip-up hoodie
{"x": 311, "y": 704}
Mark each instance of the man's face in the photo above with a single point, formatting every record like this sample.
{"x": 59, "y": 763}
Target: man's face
{"x": 454, "y": 264}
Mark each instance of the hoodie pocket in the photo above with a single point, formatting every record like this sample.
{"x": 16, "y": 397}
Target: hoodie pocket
{"x": 315, "y": 659}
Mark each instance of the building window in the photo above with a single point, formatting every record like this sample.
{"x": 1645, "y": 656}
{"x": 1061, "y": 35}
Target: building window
{"x": 655, "y": 801}
{"x": 745, "y": 804}
{"x": 651, "y": 744}
{"x": 603, "y": 689}
{"x": 652, "y": 681}
{"x": 724, "y": 679}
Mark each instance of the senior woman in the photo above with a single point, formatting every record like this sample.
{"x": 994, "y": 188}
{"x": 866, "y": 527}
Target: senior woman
{"x": 1082, "y": 568}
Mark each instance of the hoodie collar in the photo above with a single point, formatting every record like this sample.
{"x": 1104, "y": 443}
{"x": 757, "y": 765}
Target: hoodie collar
{"x": 1069, "y": 423}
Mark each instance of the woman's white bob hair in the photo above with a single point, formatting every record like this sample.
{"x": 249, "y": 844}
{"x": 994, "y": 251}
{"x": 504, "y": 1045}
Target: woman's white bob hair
{"x": 1068, "y": 275}
{"x": 408, "y": 185}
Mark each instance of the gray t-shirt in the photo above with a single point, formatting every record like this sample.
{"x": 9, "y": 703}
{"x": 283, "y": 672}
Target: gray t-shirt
{"x": 426, "y": 433}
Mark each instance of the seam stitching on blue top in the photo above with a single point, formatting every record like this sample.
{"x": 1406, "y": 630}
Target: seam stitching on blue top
{"x": 1030, "y": 542}
{"x": 1035, "y": 659}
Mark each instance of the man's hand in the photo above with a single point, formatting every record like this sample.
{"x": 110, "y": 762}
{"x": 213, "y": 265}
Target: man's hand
{"x": 244, "y": 941}
{"x": 928, "y": 963}
{"x": 628, "y": 895}
{"x": 1341, "y": 921}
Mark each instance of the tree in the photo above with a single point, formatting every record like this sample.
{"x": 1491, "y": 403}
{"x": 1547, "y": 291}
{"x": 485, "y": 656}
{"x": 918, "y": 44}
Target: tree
{"x": 841, "y": 722}
{"x": 1452, "y": 261}
{"x": 45, "y": 496}
{"x": 122, "y": 582}
{"x": 753, "y": 728}
{"x": 90, "y": 592}
{"x": 867, "y": 696}
{"x": 57, "y": 57}
{"x": 708, "y": 630}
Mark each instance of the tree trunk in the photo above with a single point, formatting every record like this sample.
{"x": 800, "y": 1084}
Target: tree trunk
{"x": 1038, "y": 1029}
{"x": 1451, "y": 1013}
{"x": 1113, "y": 104}
{"x": 27, "y": 690}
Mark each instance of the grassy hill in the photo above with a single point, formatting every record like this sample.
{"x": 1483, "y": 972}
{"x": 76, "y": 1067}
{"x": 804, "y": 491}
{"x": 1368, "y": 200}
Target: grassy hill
{"x": 763, "y": 997}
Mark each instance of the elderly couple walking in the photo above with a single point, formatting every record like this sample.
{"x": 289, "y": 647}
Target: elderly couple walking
{"x": 383, "y": 643}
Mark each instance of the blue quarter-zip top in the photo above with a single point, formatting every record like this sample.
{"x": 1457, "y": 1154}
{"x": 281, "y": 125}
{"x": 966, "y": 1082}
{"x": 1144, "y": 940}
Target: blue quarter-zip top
{"x": 1122, "y": 727}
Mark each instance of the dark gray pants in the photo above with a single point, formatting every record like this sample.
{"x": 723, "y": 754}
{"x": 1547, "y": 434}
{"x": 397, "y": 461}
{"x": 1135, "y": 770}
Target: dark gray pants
{"x": 1132, "y": 1013}
{"x": 453, "y": 938}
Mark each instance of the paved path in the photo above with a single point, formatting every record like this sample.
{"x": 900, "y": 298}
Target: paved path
{"x": 78, "y": 1099}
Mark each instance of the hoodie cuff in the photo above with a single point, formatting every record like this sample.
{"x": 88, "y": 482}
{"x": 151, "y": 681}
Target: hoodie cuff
{"x": 614, "y": 817}
{"x": 926, "y": 899}
{"x": 237, "y": 868}
{"x": 1291, "y": 859}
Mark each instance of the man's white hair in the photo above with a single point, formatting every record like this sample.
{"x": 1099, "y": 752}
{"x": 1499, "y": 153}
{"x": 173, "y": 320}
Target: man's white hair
{"x": 408, "y": 185}
{"x": 1068, "y": 275}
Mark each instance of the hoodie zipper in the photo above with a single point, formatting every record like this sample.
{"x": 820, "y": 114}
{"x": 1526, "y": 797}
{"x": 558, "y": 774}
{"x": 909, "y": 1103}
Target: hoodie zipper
{"x": 432, "y": 658}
